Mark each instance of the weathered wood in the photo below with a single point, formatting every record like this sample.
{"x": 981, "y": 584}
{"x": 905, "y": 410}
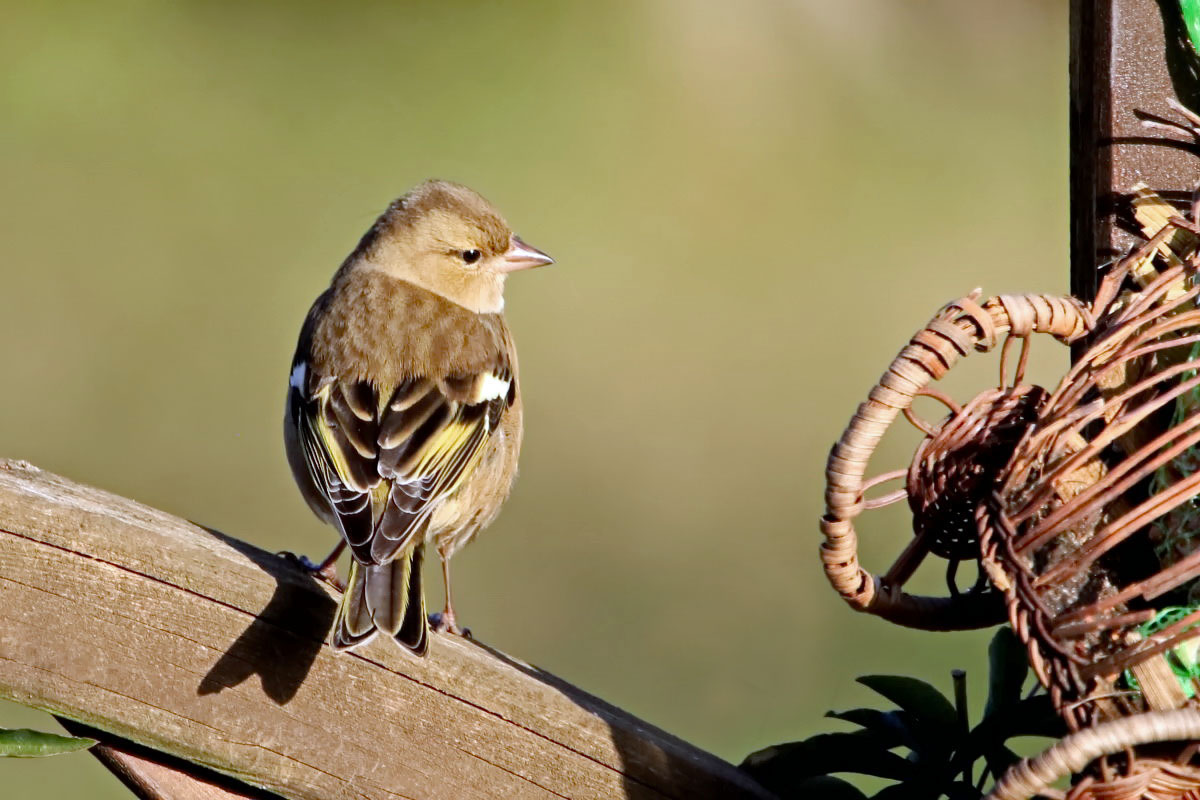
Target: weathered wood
{"x": 152, "y": 775}
{"x": 1129, "y": 58}
{"x": 192, "y": 643}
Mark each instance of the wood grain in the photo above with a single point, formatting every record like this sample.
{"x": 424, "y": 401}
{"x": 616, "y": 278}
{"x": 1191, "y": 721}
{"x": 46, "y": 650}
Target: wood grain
{"x": 192, "y": 643}
{"x": 151, "y": 775}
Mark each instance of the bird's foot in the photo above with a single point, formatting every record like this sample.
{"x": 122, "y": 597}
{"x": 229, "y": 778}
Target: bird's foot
{"x": 326, "y": 572}
{"x": 445, "y": 622}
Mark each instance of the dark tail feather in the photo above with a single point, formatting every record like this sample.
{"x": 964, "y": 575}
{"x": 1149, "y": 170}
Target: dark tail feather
{"x": 387, "y": 598}
{"x": 413, "y": 632}
{"x": 353, "y": 626}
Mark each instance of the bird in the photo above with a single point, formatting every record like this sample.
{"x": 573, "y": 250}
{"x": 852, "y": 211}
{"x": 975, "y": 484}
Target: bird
{"x": 403, "y": 420}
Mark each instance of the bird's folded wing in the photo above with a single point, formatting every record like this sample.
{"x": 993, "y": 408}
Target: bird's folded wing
{"x": 386, "y": 459}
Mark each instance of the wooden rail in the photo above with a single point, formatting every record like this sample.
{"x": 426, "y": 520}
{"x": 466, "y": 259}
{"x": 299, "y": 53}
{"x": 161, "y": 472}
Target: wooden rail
{"x": 192, "y": 643}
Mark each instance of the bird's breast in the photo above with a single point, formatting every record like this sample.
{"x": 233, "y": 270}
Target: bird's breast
{"x": 385, "y": 330}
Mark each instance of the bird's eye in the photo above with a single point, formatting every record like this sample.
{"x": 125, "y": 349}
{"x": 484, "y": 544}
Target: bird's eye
{"x": 471, "y": 256}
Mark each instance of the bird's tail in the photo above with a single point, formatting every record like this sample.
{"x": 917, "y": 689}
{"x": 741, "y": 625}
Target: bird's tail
{"x": 385, "y": 597}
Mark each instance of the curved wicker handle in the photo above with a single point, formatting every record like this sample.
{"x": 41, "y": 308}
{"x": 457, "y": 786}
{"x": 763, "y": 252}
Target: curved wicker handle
{"x": 962, "y": 326}
{"x": 1030, "y": 777}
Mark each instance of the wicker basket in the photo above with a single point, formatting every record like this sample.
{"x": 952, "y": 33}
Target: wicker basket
{"x": 1133, "y": 776}
{"x": 955, "y": 467}
{"x": 1079, "y": 504}
{"x": 1092, "y": 531}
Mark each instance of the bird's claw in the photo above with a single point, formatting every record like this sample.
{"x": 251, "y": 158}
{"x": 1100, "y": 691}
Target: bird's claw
{"x": 445, "y": 622}
{"x": 327, "y": 572}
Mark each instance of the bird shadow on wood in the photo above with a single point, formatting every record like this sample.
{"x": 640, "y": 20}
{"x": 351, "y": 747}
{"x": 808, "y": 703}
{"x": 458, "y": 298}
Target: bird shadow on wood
{"x": 283, "y": 641}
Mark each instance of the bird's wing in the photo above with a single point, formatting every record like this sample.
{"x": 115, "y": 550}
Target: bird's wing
{"x": 386, "y": 458}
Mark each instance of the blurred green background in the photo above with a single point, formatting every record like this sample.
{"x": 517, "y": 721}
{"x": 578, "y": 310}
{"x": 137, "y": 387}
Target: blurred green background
{"x": 753, "y": 206}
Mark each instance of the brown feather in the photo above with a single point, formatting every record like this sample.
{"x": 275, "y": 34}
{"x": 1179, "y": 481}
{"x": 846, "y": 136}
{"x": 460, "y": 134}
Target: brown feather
{"x": 404, "y": 415}
{"x": 373, "y": 327}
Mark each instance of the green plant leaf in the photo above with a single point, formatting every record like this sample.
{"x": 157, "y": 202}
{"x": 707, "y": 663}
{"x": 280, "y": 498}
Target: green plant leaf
{"x": 24, "y": 743}
{"x": 935, "y": 721}
{"x": 892, "y": 727}
{"x": 1033, "y": 716}
{"x": 1007, "y": 671}
{"x": 999, "y": 759}
{"x": 941, "y": 757}
{"x": 826, "y": 753}
{"x": 916, "y": 697}
{"x": 961, "y": 790}
{"x": 823, "y": 787}
{"x": 911, "y": 790}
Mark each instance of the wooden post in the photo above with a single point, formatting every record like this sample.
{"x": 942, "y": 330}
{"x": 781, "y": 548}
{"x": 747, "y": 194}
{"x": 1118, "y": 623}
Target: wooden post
{"x": 1129, "y": 60}
{"x": 1127, "y": 57}
{"x": 186, "y": 641}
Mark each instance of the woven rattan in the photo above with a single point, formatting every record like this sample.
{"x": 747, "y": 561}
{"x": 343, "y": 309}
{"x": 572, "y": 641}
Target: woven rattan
{"x": 954, "y": 469}
{"x": 1091, "y": 531}
{"x": 1080, "y": 506}
{"x": 1140, "y": 777}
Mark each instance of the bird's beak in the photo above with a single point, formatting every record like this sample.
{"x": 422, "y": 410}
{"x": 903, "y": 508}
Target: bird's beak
{"x": 520, "y": 256}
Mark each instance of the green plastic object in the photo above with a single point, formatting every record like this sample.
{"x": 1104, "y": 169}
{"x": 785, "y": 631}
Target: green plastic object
{"x": 1191, "y": 19}
{"x": 1182, "y": 658}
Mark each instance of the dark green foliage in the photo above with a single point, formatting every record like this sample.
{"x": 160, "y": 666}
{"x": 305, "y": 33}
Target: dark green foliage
{"x": 24, "y": 743}
{"x": 944, "y": 758}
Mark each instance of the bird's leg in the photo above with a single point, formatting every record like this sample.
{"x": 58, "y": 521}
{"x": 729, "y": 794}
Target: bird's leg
{"x": 327, "y": 569}
{"x": 445, "y": 621}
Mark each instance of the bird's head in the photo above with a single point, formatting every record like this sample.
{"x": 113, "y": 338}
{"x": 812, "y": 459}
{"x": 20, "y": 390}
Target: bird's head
{"x": 445, "y": 237}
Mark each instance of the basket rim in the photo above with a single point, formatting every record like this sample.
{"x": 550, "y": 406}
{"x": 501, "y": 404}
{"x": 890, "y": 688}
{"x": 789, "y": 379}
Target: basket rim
{"x": 1071, "y": 754}
{"x": 959, "y": 328}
